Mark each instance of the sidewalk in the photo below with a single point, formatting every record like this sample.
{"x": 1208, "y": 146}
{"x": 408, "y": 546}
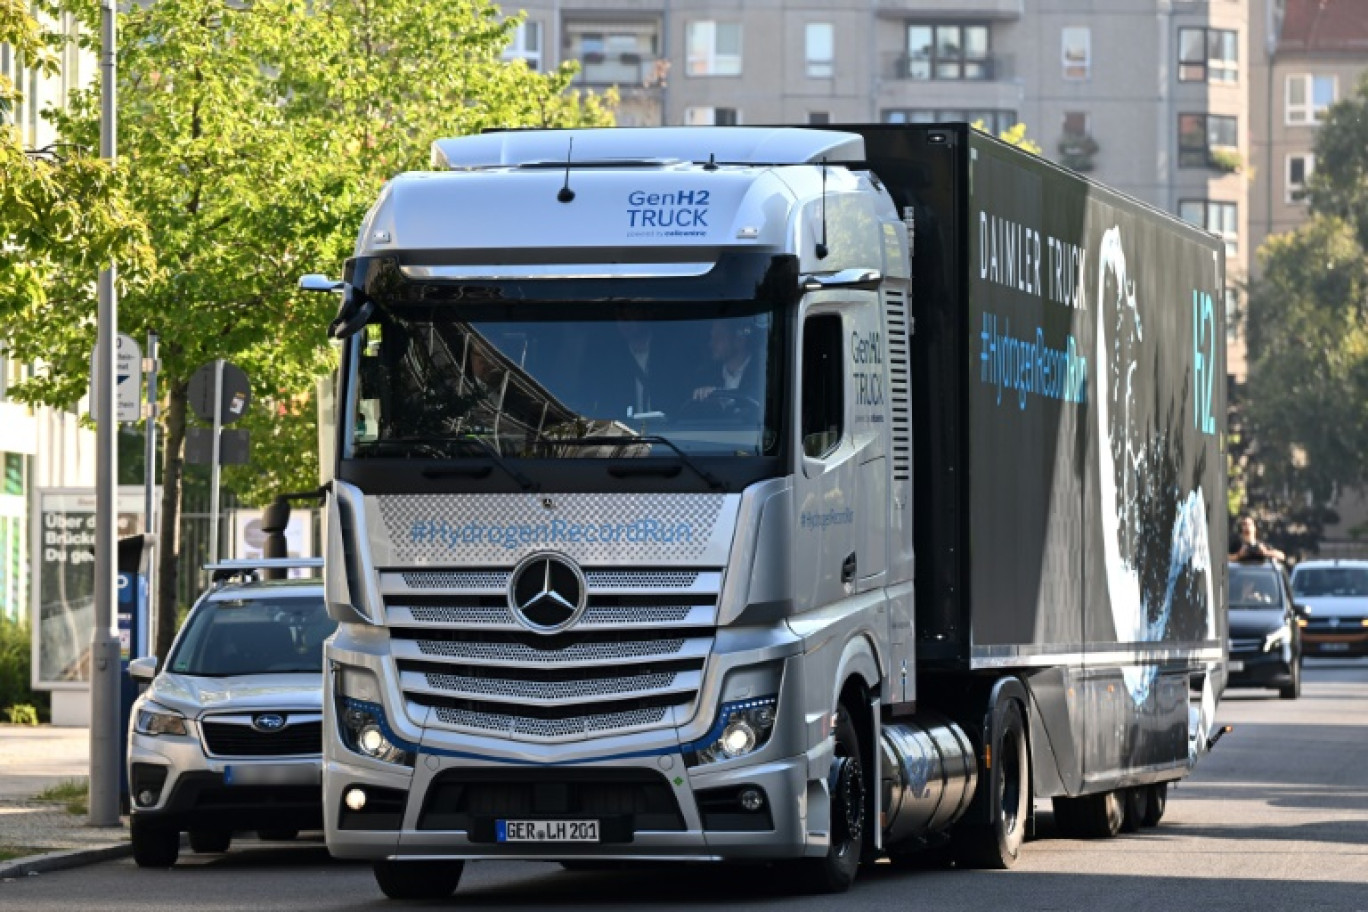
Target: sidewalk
{"x": 45, "y": 834}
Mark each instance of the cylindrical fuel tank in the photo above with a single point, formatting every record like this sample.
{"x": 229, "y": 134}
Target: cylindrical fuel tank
{"x": 929, "y": 776}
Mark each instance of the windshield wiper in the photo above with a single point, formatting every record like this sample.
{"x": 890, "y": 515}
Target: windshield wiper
{"x": 526, "y": 483}
{"x": 713, "y": 481}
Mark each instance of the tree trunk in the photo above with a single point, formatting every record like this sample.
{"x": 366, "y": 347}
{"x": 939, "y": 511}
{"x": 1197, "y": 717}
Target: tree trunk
{"x": 168, "y": 550}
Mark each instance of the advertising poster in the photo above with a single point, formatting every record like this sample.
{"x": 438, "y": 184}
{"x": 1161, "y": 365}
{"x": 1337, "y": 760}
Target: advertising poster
{"x": 63, "y": 555}
{"x": 249, "y": 542}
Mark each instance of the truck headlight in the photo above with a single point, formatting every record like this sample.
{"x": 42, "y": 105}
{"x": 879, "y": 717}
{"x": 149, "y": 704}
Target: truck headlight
{"x": 1280, "y": 637}
{"x": 742, "y": 728}
{"x": 364, "y": 731}
{"x": 158, "y": 720}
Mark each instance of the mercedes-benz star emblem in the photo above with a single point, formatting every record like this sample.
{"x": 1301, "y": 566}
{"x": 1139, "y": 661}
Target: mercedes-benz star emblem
{"x": 268, "y": 722}
{"x": 547, "y": 593}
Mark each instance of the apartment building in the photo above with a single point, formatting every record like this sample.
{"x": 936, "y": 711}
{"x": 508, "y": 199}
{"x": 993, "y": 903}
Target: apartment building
{"x": 1150, "y": 96}
{"x": 39, "y": 447}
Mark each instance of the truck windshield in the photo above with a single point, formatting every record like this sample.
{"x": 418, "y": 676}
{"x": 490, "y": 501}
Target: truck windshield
{"x": 529, "y": 380}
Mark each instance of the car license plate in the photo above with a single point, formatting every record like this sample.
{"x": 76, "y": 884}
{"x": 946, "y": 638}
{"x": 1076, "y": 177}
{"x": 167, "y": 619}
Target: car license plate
{"x": 547, "y": 830}
{"x": 1334, "y": 647}
{"x": 1235, "y": 666}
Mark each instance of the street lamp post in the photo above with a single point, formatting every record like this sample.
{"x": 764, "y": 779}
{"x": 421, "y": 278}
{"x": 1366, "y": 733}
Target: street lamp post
{"x": 104, "y": 645}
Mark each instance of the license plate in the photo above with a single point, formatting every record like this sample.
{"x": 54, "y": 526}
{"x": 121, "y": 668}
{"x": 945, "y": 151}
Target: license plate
{"x": 1235, "y": 666}
{"x": 1334, "y": 647}
{"x": 547, "y": 830}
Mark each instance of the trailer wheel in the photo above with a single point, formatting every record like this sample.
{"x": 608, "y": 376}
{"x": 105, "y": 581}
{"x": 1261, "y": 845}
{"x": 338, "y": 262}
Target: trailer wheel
{"x": 835, "y": 872}
{"x": 418, "y": 879}
{"x": 1156, "y": 805}
{"x": 996, "y": 844}
{"x": 1090, "y": 816}
{"x": 1136, "y": 801}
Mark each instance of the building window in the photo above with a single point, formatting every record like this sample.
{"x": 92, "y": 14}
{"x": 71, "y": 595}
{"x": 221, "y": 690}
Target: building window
{"x": 622, "y": 53}
{"x": 1300, "y": 167}
{"x": 948, "y": 52}
{"x": 994, "y": 121}
{"x": 714, "y": 48}
{"x": 1217, "y": 217}
{"x": 1208, "y": 140}
{"x": 1077, "y": 51}
{"x": 526, "y": 45}
{"x": 1208, "y": 55}
{"x": 1309, "y": 97}
{"x": 819, "y": 118}
{"x": 712, "y": 117}
{"x": 819, "y": 42}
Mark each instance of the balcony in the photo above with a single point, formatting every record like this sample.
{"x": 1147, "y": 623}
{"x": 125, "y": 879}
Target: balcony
{"x": 902, "y": 66}
{"x": 624, "y": 70}
{"x": 951, "y": 9}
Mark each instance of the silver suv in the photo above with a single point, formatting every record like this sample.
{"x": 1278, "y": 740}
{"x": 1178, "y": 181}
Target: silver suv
{"x": 228, "y": 737}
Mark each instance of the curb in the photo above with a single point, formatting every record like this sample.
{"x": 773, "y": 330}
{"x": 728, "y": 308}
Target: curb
{"x": 60, "y": 861}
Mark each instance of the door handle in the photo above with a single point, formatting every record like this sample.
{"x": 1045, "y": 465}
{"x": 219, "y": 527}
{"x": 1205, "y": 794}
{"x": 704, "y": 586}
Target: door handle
{"x": 848, "y": 568}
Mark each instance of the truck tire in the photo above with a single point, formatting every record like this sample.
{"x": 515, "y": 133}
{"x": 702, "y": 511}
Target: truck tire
{"x": 996, "y": 844}
{"x": 210, "y": 841}
{"x": 835, "y": 872}
{"x": 1090, "y": 816}
{"x": 154, "y": 846}
{"x": 1136, "y": 802}
{"x": 1156, "y": 805}
{"x": 418, "y": 879}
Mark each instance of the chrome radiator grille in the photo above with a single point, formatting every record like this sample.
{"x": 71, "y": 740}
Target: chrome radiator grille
{"x": 633, "y": 660}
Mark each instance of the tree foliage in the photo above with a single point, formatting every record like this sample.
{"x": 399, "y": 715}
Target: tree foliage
{"x": 253, "y": 137}
{"x": 1305, "y": 409}
{"x": 62, "y": 211}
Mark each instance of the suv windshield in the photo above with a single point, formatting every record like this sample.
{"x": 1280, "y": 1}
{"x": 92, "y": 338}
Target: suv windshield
{"x": 253, "y": 636}
{"x": 1254, "y": 587}
{"x": 1322, "y": 581}
{"x": 525, "y": 380}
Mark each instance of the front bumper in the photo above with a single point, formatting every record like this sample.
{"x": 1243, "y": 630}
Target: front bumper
{"x": 175, "y": 784}
{"x": 1259, "y": 669}
{"x": 649, "y": 808}
{"x": 1348, "y": 642}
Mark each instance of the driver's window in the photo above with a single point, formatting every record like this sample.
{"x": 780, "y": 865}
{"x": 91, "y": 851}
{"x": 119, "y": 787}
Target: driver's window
{"x": 823, "y": 402}
{"x": 370, "y": 376}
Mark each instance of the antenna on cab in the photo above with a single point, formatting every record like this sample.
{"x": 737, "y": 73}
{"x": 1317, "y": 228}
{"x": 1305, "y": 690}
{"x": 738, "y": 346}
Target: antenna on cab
{"x": 566, "y": 194}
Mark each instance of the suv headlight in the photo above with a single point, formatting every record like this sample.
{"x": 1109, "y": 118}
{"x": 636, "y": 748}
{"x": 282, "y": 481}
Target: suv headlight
{"x": 741, "y": 729}
{"x": 1280, "y": 637}
{"x": 158, "y": 720}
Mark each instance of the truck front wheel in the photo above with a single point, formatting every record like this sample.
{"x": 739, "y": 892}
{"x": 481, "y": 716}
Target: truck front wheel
{"x": 835, "y": 872}
{"x": 996, "y": 844}
{"x": 418, "y": 879}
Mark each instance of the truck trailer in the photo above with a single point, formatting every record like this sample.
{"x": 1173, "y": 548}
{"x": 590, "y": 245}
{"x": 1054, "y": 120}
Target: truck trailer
{"x": 766, "y": 495}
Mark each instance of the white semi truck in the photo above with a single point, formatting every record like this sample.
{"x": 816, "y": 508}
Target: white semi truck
{"x": 776, "y": 495}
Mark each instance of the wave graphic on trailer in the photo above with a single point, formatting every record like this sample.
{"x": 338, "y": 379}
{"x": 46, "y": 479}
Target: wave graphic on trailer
{"x": 1136, "y": 620}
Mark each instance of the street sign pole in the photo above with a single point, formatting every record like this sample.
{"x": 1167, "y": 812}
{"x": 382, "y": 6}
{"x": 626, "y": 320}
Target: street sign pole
{"x": 104, "y": 641}
{"x": 143, "y": 647}
{"x": 214, "y": 463}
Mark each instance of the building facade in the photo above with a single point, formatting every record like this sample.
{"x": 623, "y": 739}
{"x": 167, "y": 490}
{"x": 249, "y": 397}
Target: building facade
{"x": 1149, "y": 96}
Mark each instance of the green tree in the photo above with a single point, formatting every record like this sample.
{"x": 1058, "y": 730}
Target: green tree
{"x": 1304, "y": 414}
{"x": 255, "y": 135}
{"x": 1014, "y": 135}
{"x": 62, "y": 211}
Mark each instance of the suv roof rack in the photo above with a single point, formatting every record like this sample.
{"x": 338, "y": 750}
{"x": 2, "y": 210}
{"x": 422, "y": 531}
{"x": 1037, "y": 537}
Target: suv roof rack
{"x": 248, "y": 567}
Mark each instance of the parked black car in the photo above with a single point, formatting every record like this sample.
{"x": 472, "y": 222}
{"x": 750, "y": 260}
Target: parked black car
{"x": 1265, "y": 636}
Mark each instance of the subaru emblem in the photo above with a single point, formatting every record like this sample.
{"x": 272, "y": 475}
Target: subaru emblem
{"x": 268, "y": 722}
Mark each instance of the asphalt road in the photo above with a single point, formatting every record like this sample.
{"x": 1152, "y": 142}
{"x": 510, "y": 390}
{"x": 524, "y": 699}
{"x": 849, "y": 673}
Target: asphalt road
{"x": 1275, "y": 819}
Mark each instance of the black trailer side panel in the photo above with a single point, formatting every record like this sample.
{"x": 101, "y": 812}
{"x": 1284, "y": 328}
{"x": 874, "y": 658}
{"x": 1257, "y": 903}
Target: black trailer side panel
{"x": 1070, "y": 478}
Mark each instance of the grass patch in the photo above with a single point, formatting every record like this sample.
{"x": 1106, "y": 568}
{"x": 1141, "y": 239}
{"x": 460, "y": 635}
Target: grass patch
{"x": 74, "y": 793}
{"x": 9, "y": 853}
